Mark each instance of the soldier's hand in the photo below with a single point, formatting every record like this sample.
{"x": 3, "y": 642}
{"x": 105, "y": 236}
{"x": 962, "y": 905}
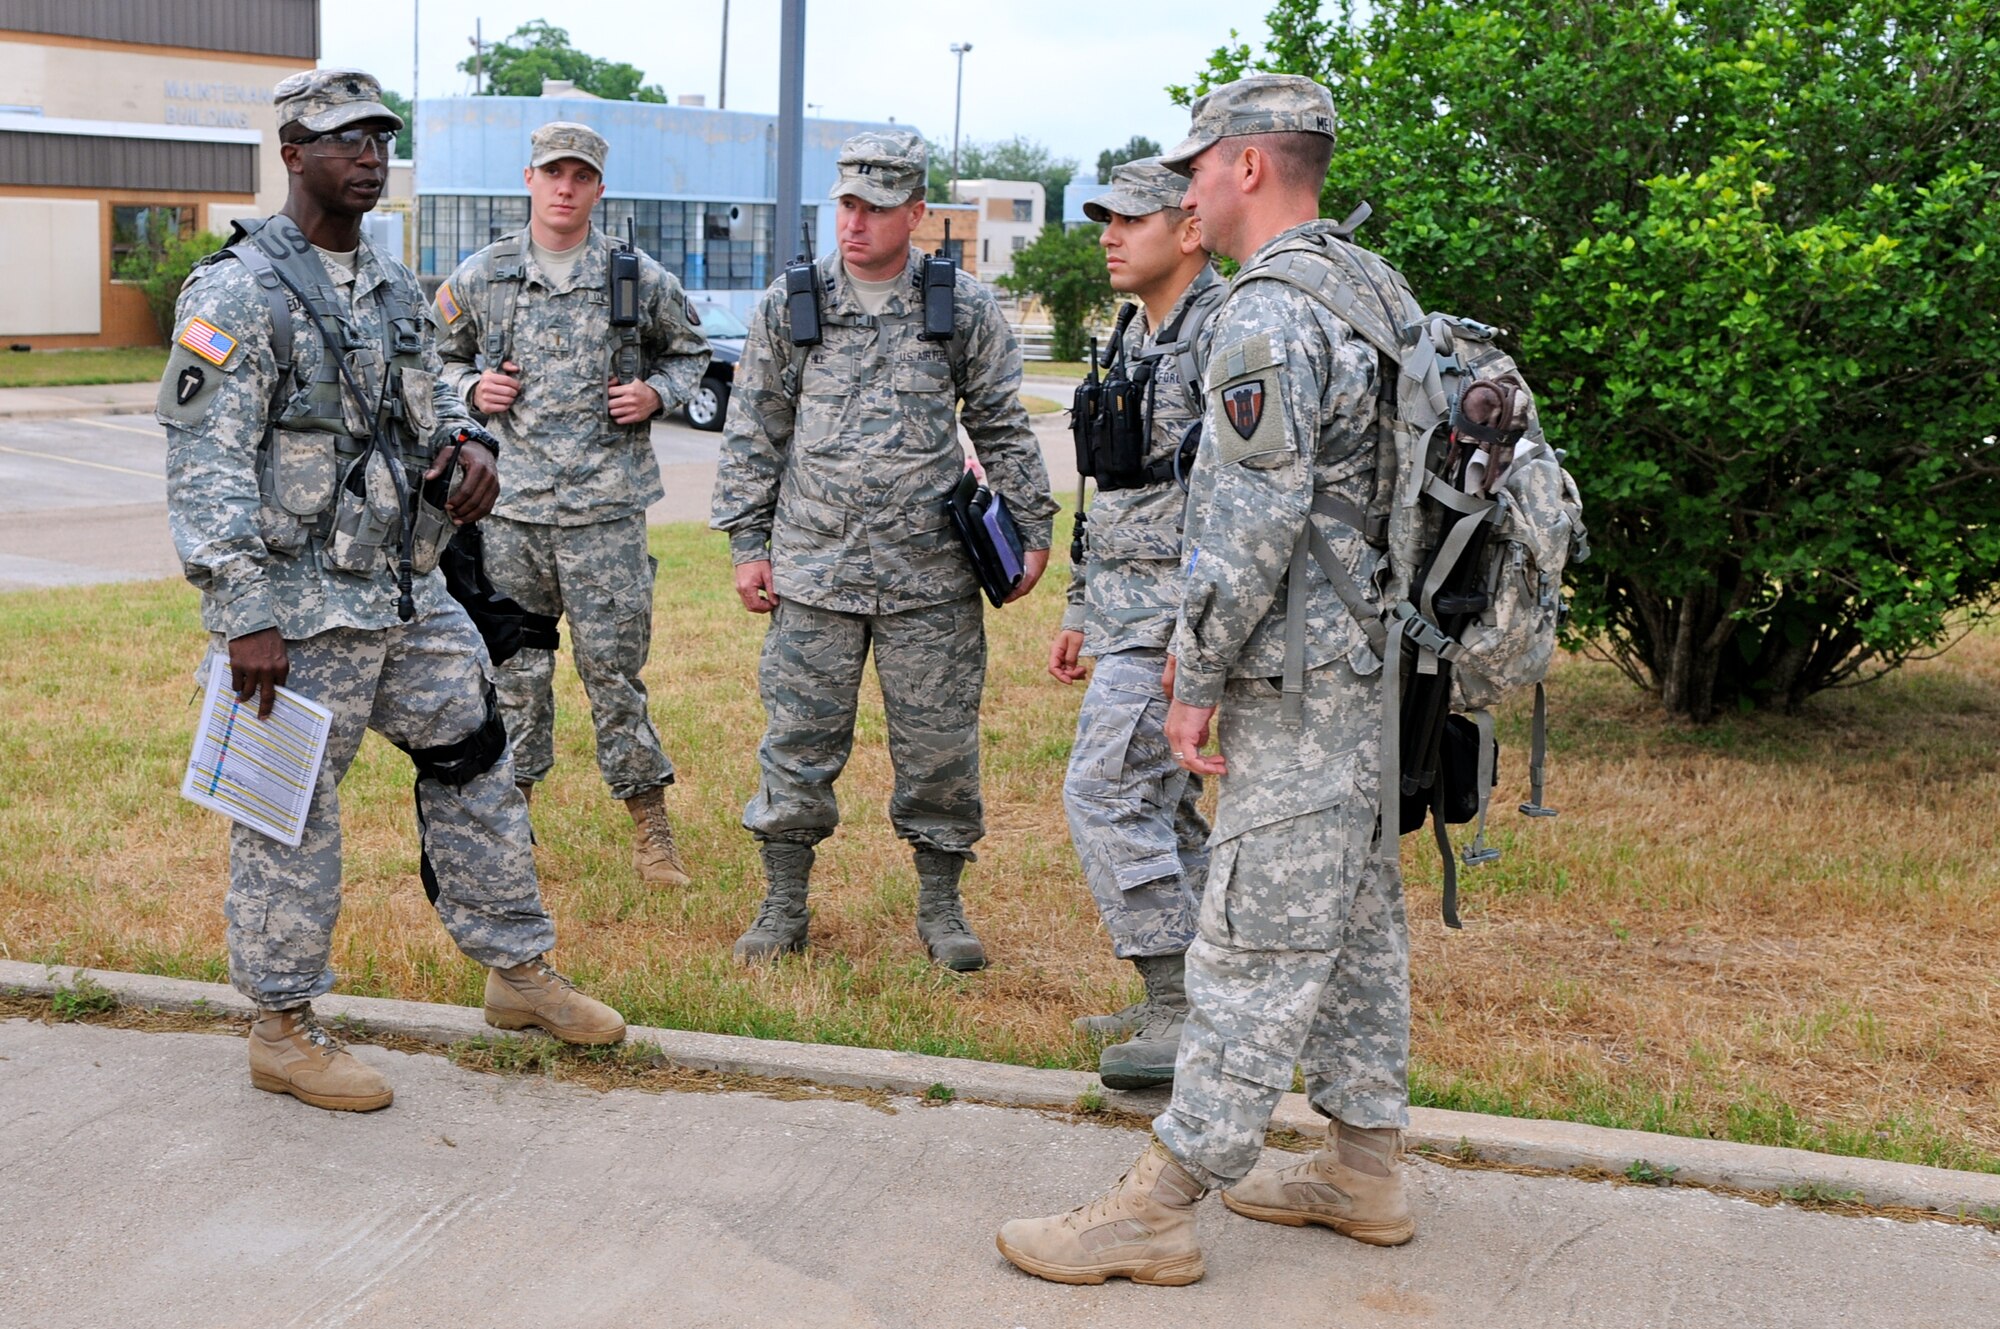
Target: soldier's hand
{"x": 1063, "y": 654}
{"x": 1187, "y": 734}
{"x": 259, "y": 666}
{"x": 753, "y": 586}
{"x": 480, "y": 489}
{"x": 1032, "y": 567}
{"x": 634, "y": 402}
{"x": 494, "y": 392}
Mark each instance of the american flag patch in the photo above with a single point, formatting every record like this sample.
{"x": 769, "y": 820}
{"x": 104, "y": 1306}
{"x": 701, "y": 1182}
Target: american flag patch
{"x": 207, "y": 341}
{"x": 448, "y": 304}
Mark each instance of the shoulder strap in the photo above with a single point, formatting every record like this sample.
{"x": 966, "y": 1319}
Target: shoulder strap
{"x": 511, "y": 267}
{"x": 266, "y": 274}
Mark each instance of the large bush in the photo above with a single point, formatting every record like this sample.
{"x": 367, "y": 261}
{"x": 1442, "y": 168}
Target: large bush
{"x": 1066, "y": 269}
{"x": 1749, "y": 253}
{"x": 159, "y": 273}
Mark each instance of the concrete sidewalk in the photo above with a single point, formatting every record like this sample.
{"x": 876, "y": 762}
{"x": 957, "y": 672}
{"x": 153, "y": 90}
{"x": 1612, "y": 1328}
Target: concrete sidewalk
{"x": 148, "y": 1184}
{"x": 92, "y": 399}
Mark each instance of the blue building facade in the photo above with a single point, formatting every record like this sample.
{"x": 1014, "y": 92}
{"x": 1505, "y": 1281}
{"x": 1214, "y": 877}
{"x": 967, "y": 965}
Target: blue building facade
{"x": 699, "y": 186}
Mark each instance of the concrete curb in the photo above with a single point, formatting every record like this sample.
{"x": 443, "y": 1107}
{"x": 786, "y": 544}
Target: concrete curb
{"x": 72, "y": 412}
{"x": 1557, "y": 1146}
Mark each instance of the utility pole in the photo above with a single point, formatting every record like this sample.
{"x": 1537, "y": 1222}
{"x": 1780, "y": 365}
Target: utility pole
{"x": 722, "y": 88}
{"x": 958, "y": 100}
{"x": 478, "y": 59}
{"x": 416, "y": 49}
{"x": 791, "y": 127}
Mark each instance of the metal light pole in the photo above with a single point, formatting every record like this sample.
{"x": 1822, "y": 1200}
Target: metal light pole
{"x": 722, "y": 90}
{"x": 785, "y": 231}
{"x": 958, "y": 98}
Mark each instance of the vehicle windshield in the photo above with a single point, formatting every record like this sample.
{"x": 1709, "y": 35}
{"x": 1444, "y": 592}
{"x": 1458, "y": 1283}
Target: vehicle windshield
{"x": 717, "y": 321}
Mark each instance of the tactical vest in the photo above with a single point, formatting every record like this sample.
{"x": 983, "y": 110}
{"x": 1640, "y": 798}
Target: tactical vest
{"x": 340, "y": 455}
{"x": 510, "y": 270}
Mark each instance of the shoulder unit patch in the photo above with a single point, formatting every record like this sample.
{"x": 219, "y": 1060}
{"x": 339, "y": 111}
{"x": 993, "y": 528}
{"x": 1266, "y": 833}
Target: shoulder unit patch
{"x": 207, "y": 341}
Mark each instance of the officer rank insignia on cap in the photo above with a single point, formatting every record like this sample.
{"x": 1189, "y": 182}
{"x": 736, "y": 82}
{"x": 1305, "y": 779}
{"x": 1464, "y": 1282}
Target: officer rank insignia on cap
{"x": 207, "y": 341}
{"x": 448, "y": 307}
{"x": 188, "y": 384}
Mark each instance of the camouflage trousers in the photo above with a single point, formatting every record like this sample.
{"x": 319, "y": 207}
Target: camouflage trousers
{"x": 420, "y": 684}
{"x": 1132, "y": 810}
{"x": 600, "y": 578}
{"x": 932, "y": 667}
{"x": 1302, "y": 956}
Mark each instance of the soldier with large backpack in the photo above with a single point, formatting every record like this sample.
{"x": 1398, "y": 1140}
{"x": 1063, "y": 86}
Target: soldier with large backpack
{"x": 1374, "y": 514}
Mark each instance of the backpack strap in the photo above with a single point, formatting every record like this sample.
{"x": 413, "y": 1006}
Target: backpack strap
{"x": 261, "y": 268}
{"x": 510, "y": 265}
{"x": 1538, "y": 757}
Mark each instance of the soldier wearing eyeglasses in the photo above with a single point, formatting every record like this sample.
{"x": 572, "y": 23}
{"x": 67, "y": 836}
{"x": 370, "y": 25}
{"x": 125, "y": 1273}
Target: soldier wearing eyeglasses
{"x": 307, "y": 429}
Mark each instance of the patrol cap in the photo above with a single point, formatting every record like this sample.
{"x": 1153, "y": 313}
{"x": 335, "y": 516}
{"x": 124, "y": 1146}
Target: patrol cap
{"x": 882, "y": 166}
{"x": 565, "y": 138}
{"x": 1138, "y": 189}
{"x": 324, "y": 100}
{"x": 1260, "y": 104}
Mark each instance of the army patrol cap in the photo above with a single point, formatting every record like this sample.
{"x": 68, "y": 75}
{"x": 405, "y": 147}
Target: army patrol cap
{"x": 1260, "y": 104}
{"x": 1138, "y": 189}
{"x": 565, "y": 138}
{"x": 324, "y": 100}
{"x": 882, "y": 166}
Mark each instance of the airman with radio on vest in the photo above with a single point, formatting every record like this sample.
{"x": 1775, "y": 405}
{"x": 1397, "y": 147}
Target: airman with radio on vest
{"x": 571, "y": 344}
{"x": 1132, "y": 808}
{"x": 315, "y": 467}
{"x": 841, "y": 444}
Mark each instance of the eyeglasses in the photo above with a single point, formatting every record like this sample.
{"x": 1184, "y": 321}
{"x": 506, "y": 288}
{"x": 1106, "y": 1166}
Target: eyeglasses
{"x": 350, "y": 142}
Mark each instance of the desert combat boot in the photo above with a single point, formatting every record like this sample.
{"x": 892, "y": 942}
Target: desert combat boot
{"x": 290, "y": 1053}
{"x": 1147, "y": 1057}
{"x": 941, "y": 915}
{"x": 534, "y": 995}
{"x": 780, "y": 925}
{"x": 1354, "y": 1186}
{"x": 654, "y": 853}
{"x": 1141, "y": 1229}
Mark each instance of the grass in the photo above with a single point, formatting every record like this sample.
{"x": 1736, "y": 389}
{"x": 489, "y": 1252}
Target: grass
{"x": 1055, "y": 368}
{"x": 1039, "y": 405}
{"x": 1770, "y": 930}
{"x": 65, "y": 369}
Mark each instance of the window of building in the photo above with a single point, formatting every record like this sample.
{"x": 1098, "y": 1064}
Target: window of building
{"x": 985, "y": 251}
{"x": 1020, "y": 243}
{"x": 1024, "y": 209}
{"x": 145, "y": 229}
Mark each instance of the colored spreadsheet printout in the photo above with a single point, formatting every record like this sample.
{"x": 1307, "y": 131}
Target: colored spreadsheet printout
{"x": 258, "y": 772}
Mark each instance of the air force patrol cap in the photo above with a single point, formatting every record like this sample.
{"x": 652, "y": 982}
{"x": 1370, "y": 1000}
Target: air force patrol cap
{"x": 882, "y": 166}
{"x": 1138, "y": 189}
{"x": 1260, "y": 104}
{"x": 324, "y": 100}
{"x": 566, "y": 138}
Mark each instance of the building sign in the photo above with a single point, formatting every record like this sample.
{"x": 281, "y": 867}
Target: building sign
{"x": 215, "y": 105}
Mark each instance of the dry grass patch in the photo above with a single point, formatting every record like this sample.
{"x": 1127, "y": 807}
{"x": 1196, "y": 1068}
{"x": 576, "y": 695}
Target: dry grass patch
{"x": 1782, "y": 931}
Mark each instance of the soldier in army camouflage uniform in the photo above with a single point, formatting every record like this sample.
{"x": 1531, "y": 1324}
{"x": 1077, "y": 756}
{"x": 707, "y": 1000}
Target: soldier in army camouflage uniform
{"x": 1302, "y": 953}
{"x": 568, "y": 535}
{"x": 836, "y": 460}
{"x": 278, "y": 482}
{"x": 1132, "y": 809}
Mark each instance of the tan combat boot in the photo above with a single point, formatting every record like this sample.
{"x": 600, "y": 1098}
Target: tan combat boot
{"x": 291, "y": 1054}
{"x": 1141, "y": 1229}
{"x": 527, "y": 788}
{"x": 1354, "y": 1186}
{"x": 654, "y": 853}
{"x": 535, "y": 995}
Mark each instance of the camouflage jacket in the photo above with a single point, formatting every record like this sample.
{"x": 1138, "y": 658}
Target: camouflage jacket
{"x": 568, "y": 463}
{"x": 216, "y": 414}
{"x": 836, "y": 459}
{"x": 1290, "y": 411}
{"x": 1124, "y": 594}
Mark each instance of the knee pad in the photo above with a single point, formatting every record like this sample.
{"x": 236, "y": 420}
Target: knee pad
{"x": 458, "y": 763}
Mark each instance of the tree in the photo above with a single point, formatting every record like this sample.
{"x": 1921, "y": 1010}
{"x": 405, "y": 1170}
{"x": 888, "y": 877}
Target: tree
{"x": 1015, "y": 159}
{"x": 1748, "y": 252}
{"x": 1136, "y": 147}
{"x": 539, "y": 50}
{"x": 160, "y": 273}
{"x": 406, "y": 138}
{"x": 1065, "y": 268}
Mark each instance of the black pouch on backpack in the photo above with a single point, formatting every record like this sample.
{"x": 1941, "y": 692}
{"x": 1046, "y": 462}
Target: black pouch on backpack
{"x": 1458, "y": 768}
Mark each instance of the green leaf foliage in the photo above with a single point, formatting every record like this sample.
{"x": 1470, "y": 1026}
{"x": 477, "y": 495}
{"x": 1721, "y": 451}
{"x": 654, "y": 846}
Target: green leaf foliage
{"x": 539, "y": 50}
{"x": 1016, "y": 158}
{"x": 1746, "y": 251}
{"x": 160, "y": 273}
{"x": 1065, "y": 268}
{"x": 1112, "y": 158}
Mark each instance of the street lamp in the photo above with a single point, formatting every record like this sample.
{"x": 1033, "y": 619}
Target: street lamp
{"x": 957, "y": 101}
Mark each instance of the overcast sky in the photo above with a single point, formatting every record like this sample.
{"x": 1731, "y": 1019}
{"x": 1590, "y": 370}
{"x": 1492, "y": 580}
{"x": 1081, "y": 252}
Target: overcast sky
{"x": 1080, "y": 77}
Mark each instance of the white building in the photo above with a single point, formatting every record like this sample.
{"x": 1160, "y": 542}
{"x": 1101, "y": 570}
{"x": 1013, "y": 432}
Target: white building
{"x": 1010, "y": 217}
